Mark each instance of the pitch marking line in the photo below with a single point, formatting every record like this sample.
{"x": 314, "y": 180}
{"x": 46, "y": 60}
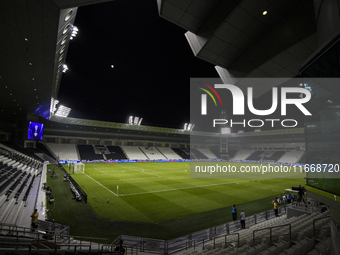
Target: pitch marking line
{"x": 102, "y": 185}
{"x": 157, "y": 191}
{"x": 132, "y": 179}
{"x": 131, "y": 168}
{"x": 99, "y": 170}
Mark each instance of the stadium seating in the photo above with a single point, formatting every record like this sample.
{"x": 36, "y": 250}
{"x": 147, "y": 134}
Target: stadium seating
{"x": 133, "y": 152}
{"x": 275, "y": 156}
{"x": 64, "y": 151}
{"x": 169, "y": 153}
{"x": 291, "y": 157}
{"x": 115, "y": 152}
{"x": 197, "y": 154}
{"x": 242, "y": 154}
{"x": 302, "y": 240}
{"x": 181, "y": 153}
{"x": 208, "y": 153}
{"x": 152, "y": 153}
{"x": 13, "y": 146}
{"x": 256, "y": 156}
{"x": 86, "y": 152}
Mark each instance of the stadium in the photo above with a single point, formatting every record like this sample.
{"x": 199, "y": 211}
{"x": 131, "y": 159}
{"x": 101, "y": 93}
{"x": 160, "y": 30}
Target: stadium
{"x": 110, "y": 157}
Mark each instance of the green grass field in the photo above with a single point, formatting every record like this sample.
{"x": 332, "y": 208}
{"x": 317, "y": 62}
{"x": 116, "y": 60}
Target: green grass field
{"x": 160, "y": 200}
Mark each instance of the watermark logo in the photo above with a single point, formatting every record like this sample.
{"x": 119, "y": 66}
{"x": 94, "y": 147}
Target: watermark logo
{"x": 238, "y": 100}
{"x": 204, "y": 97}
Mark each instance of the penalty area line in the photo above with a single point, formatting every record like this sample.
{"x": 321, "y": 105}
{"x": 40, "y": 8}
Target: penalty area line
{"x": 102, "y": 185}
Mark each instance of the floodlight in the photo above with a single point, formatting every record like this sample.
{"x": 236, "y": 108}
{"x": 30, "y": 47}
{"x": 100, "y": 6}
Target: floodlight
{"x": 188, "y": 126}
{"x": 65, "y": 68}
{"x": 54, "y": 103}
{"x": 63, "y": 111}
{"x": 225, "y": 130}
{"x": 74, "y": 32}
{"x": 134, "y": 120}
{"x": 130, "y": 120}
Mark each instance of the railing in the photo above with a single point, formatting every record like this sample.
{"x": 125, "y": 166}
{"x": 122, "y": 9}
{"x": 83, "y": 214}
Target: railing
{"x": 111, "y": 249}
{"x": 54, "y": 237}
{"x": 82, "y": 239}
{"x": 271, "y": 236}
{"x": 135, "y": 244}
{"x": 72, "y": 245}
{"x": 314, "y": 225}
{"x": 197, "y": 238}
{"x": 16, "y": 245}
{"x": 305, "y": 207}
{"x": 225, "y": 237}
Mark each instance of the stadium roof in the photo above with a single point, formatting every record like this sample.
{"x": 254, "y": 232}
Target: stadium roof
{"x": 241, "y": 41}
{"x": 32, "y": 36}
{"x": 233, "y": 35}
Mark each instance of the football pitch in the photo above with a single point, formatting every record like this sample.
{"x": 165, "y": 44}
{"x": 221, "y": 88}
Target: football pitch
{"x": 155, "y": 192}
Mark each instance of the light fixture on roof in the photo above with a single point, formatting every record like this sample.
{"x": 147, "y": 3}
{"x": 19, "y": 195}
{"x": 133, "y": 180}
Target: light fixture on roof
{"x": 264, "y": 13}
{"x": 65, "y": 68}
{"x": 74, "y": 32}
{"x": 63, "y": 111}
{"x": 134, "y": 120}
{"x": 188, "y": 126}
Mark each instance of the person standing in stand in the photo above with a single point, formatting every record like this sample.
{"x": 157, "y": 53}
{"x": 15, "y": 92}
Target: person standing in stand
{"x": 34, "y": 217}
{"x": 234, "y": 212}
{"x": 243, "y": 219}
{"x": 276, "y": 208}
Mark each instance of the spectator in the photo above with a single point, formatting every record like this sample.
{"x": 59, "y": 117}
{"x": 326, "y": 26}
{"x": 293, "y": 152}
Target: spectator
{"x": 120, "y": 247}
{"x": 34, "y": 217}
{"x": 234, "y": 212}
{"x": 243, "y": 219}
{"x": 280, "y": 199}
{"x": 276, "y": 208}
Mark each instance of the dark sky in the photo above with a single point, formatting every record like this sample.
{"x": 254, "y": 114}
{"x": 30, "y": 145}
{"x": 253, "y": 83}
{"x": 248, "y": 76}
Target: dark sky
{"x": 152, "y": 62}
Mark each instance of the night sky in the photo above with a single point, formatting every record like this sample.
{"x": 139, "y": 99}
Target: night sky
{"x": 153, "y": 64}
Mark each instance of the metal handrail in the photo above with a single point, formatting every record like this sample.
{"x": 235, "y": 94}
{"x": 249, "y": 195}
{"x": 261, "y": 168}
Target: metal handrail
{"x": 225, "y": 239}
{"x": 314, "y": 229}
{"x": 112, "y": 249}
{"x": 270, "y": 233}
{"x": 19, "y": 244}
{"x": 167, "y": 243}
{"x": 70, "y": 245}
{"x": 38, "y": 236}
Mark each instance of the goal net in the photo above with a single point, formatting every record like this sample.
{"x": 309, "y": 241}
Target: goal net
{"x": 79, "y": 168}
